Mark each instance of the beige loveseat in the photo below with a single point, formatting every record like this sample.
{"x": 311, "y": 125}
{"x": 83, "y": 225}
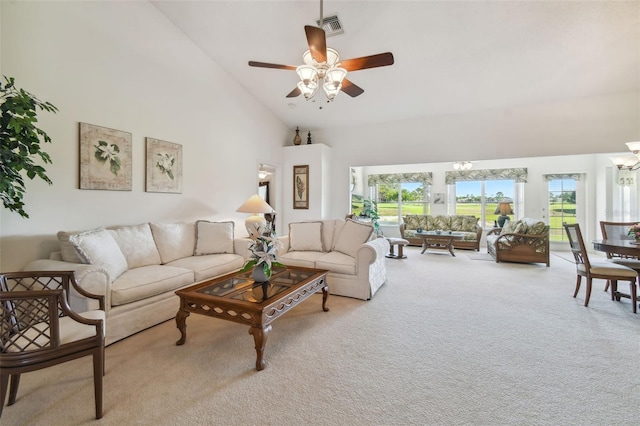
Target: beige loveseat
{"x": 138, "y": 268}
{"x": 524, "y": 241}
{"x": 355, "y": 261}
{"x": 458, "y": 223}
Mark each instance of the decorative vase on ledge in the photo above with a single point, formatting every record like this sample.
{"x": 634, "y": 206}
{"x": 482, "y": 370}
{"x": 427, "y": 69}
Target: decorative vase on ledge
{"x": 259, "y": 275}
{"x": 297, "y": 140}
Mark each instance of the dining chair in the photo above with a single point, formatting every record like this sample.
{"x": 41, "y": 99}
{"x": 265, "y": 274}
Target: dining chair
{"x": 610, "y": 271}
{"x": 619, "y": 231}
{"x": 38, "y": 328}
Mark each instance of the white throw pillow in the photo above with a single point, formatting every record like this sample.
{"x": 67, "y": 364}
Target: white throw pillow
{"x": 67, "y": 250}
{"x": 214, "y": 237}
{"x": 174, "y": 240}
{"x": 137, "y": 245}
{"x": 305, "y": 236}
{"x": 98, "y": 247}
{"x": 352, "y": 236}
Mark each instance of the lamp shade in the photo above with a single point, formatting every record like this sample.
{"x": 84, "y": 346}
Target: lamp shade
{"x": 255, "y": 204}
{"x": 503, "y": 208}
{"x": 255, "y": 224}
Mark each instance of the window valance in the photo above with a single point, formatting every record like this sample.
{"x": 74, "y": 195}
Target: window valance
{"x": 518, "y": 175}
{"x": 574, "y": 176}
{"x": 425, "y": 178}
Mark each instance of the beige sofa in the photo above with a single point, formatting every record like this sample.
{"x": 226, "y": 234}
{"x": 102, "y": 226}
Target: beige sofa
{"x": 138, "y": 268}
{"x": 524, "y": 241}
{"x": 458, "y": 223}
{"x": 355, "y": 261}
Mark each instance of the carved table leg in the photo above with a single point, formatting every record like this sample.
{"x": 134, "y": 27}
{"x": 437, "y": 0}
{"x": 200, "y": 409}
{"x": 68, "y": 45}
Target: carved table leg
{"x": 260, "y": 338}
{"x": 325, "y": 295}
{"x": 450, "y": 246}
{"x": 181, "y": 323}
{"x": 424, "y": 246}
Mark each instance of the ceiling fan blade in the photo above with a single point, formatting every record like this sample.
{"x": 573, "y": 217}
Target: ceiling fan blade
{"x": 373, "y": 61}
{"x": 317, "y": 43}
{"x": 274, "y": 66}
{"x": 351, "y": 89}
{"x": 295, "y": 92}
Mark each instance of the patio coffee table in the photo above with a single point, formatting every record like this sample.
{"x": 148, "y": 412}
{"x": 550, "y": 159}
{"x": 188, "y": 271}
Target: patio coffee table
{"x": 236, "y": 297}
{"x": 439, "y": 240}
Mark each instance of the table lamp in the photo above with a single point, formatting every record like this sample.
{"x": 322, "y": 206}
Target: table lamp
{"x": 503, "y": 209}
{"x": 255, "y": 224}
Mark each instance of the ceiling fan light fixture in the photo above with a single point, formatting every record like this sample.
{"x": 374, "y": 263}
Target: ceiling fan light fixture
{"x": 308, "y": 90}
{"x": 307, "y": 73}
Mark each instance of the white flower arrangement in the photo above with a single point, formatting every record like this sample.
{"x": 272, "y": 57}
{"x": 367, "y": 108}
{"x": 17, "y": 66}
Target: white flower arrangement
{"x": 264, "y": 251}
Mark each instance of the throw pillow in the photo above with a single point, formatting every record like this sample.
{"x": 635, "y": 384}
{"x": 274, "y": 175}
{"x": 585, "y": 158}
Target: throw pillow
{"x": 174, "y": 240}
{"x": 68, "y": 250}
{"x": 305, "y": 236}
{"x": 352, "y": 236}
{"x": 137, "y": 245}
{"x": 538, "y": 228}
{"x": 98, "y": 247}
{"x": 214, "y": 237}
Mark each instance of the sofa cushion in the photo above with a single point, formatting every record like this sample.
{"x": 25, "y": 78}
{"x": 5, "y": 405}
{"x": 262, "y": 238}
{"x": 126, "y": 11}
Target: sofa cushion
{"x": 210, "y": 265}
{"x": 352, "y": 236}
{"x": 137, "y": 245}
{"x": 306, "y": 259}
{"x": 536, "y": 228}
{"x": 174, "y": 240}
{"x": 440, "y": 222}
{"x": 147, "y": 281}
{"x": 337, "y": 262}
{"x": 214, "y": 237}
{"x": 98, "y": 247}
{"x": 328, "y": 231}
{"x": 305, "y": 236}
{"x": 339, "y": 224}
{"x": 67, "y": 249}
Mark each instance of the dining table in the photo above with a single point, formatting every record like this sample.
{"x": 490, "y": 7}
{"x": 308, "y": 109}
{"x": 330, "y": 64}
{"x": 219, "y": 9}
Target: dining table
{"x": 628, "y": 247}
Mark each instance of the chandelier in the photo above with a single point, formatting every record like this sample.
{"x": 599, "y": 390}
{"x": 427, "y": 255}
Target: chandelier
{"x": 462, "y": 165}
{"x": 327, "y": 74}
{"x": 628, "y": 162}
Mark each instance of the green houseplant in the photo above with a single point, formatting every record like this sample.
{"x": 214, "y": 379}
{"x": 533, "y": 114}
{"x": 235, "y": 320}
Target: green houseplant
{"x": 370, "y": 210}
{"x": 21, "y": 140}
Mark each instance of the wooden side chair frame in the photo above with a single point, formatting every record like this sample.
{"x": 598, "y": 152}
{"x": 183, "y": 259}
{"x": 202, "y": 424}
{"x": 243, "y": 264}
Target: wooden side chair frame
{"x": 619, "y": 230}
{"x": 38, "y": 328}
{"x": 601, "y": 270}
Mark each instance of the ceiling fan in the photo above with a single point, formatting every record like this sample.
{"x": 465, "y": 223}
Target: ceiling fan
{"x": 323, "y": 68}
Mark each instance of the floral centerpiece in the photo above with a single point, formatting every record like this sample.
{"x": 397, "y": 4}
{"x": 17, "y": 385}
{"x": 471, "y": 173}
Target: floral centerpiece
{"x": 264, "y": 257}
{"x": 634, "y": 231}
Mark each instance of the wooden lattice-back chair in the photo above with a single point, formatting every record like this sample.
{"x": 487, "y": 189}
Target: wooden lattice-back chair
{"x": 38, "y": 328}
{"x": 603, "y": 270}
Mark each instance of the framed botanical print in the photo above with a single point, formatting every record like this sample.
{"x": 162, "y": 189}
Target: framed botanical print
{"x": 105, "y": 158}
{"x": 300, "y": 187}
{"x": 164, "y": 166}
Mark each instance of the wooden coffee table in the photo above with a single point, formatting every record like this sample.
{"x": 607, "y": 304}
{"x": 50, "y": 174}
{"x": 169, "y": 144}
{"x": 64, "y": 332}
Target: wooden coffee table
{"x": 236, "y": 297}
{"x": 439, "y": 240}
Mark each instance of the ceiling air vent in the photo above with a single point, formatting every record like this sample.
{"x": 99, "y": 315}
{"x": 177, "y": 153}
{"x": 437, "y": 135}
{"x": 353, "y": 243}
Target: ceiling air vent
{"x": 331, "y": 25}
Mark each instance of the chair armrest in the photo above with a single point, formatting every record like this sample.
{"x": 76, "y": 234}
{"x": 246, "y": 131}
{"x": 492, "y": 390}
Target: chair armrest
{"x": 241, "y": 247}
{"x": 402, "y": 227}
{"x": 92, "y": 279}
{"x": 373, "y": 250}
{"x": 494, "y": 231}
{"x": 284, "y": 241}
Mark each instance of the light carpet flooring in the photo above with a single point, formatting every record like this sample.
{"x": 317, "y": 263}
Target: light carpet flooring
{"x": 446, "y": 341}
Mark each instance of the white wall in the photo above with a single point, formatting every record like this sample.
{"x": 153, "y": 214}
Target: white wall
{"x": 123, "y": 65}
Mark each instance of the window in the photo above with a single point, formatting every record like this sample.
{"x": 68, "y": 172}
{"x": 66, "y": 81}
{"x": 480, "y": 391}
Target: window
{"x": 397, "y": 195}
{"x": 480, "y": 199}
{"x": 562, "y": 205}
{"x": 478, "y": 192}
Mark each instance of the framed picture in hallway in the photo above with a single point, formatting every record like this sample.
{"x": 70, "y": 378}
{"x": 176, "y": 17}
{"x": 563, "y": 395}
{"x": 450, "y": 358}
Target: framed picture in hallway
{"x": 164, "y": 166}
{"x": 105, "y": 158}
{"x": 301, "y": 187}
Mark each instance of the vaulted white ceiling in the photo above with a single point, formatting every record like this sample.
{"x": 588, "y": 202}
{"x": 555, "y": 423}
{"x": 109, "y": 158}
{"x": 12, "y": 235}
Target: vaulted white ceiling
{"x": 450, "y": 56}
